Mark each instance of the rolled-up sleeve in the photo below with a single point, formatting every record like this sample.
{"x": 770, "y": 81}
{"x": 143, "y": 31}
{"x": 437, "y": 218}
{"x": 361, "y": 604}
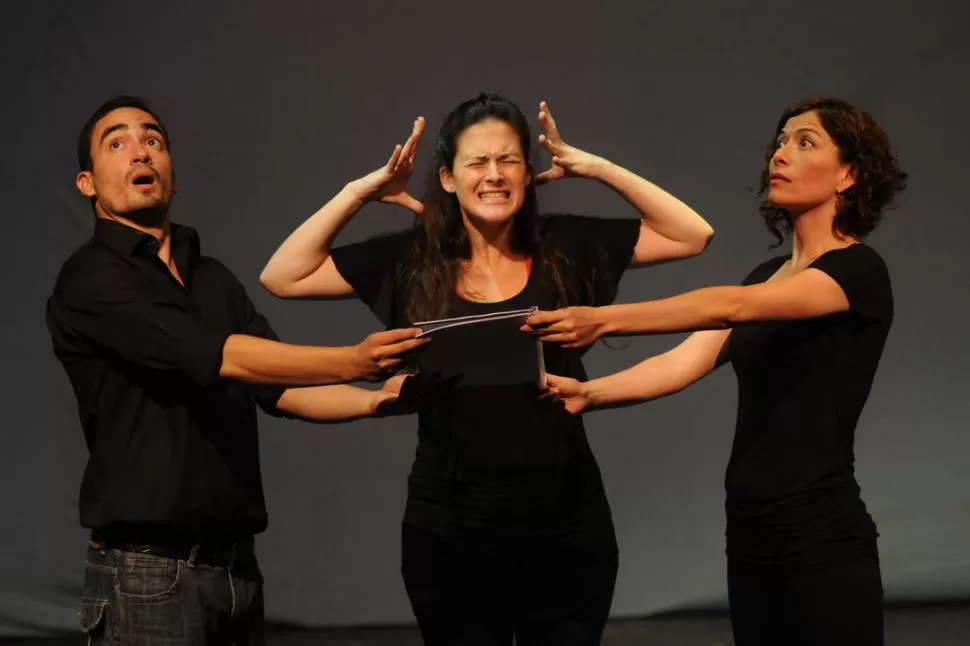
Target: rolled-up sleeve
{"x": 255, "y": 324}
{"x": 104, "y": 308}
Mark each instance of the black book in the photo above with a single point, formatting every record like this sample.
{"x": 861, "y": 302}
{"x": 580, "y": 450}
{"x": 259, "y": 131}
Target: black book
{"x": 483, "y": 350}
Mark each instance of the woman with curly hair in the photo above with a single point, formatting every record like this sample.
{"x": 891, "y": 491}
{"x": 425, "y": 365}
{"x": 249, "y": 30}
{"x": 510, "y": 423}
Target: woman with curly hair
{"x": 507, "y": 532}
{"x": 804, "y": 332}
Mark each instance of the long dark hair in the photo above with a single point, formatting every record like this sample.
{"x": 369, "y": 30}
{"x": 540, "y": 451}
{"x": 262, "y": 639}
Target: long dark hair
{"x": 442, "y": 242}
{"x": 864, "y": 145}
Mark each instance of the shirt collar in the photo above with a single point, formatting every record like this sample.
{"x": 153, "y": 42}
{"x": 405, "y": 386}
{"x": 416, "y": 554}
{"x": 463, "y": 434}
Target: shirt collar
{"x": 129, "y": 241}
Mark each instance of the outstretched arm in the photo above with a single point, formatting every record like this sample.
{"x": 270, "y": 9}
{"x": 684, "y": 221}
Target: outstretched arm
{"x": 807, "y": 294}
{"x": 400, "y": 395}
{"x": 256, "y": 360}
{"x": 340, "y": 403}
{"x": 106, "y": 309}
{"x": 669, "y": 228}
{"x": 659, "y": 376}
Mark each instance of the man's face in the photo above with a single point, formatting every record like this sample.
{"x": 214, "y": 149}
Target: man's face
{"x": 131, "y": 170}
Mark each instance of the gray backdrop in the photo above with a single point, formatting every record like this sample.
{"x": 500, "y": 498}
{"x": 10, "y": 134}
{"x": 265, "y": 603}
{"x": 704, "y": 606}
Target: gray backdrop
{"x": 273, "y": 106}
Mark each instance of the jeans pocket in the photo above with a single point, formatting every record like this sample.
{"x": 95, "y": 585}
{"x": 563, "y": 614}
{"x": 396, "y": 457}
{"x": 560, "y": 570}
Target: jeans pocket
{"x": 92, "y": 617}
{"x": 147, "y": 577}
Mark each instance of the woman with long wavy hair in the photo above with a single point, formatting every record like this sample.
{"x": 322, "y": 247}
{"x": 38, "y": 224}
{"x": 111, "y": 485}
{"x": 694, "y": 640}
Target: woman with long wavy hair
{"x": 804, "y": 333}
{"x": 507, "y": 530}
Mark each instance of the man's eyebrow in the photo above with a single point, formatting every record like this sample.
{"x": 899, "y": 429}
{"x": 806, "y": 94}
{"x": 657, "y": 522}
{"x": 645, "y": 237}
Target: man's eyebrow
{"x": 148, "y": 125}
{"x": 154, "y": 127}
{"x": 114, "y": 128}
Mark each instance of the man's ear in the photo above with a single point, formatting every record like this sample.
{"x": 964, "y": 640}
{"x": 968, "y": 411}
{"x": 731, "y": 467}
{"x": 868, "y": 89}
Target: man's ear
{"x": 85, "y": 183}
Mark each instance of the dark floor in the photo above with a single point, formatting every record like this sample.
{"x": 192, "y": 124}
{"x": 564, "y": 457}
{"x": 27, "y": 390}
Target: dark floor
{"x": 928, "y": 626}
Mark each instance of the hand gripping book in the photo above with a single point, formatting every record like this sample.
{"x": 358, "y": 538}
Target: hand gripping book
{"x": 483, "y": 350}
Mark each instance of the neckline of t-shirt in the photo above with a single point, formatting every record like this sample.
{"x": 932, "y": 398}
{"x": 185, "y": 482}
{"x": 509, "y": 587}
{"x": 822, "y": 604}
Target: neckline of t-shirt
{"x": 528, "y": 283}
{"x": 837, "y": 249}
{"x": 786, "y": 257}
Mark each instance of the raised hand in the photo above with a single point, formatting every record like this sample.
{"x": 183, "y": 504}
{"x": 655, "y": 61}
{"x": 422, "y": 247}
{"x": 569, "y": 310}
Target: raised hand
{"x": 566, "y": 160}
{"x": 568, "y": 391}
{"x": 380, "y": 355}
{"x": 573, "y": 327}
{"x": 389, "y": 183}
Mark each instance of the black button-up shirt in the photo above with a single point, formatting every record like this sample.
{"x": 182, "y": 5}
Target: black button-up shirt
{"x": 173, "y": 447}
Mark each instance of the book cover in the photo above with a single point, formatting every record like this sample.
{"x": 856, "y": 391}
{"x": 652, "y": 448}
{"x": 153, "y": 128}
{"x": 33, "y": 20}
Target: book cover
{"x": 483, "y": 350}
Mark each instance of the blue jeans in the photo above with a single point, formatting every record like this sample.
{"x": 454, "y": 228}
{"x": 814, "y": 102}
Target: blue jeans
{"x": 133, "y": 599}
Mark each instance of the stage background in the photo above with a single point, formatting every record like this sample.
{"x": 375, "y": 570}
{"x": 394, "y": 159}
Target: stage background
{"x": 272, "y": 107}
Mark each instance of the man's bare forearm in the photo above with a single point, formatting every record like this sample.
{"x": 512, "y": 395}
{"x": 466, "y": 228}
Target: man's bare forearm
{"x": 261, "y": 361}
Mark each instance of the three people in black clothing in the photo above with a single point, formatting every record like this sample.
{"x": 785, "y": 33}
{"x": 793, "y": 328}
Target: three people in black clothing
{"x": 507, "y": 530}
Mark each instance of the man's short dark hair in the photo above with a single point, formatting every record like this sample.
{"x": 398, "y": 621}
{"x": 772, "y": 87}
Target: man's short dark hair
{"x": 84, "y": 138}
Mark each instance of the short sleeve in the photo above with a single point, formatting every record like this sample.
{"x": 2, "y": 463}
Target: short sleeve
{"x": 370, "y": 268}
{"x": 101, "y": 306}
{"x": 599, "y": 250}
{"x": 864, "y": 278}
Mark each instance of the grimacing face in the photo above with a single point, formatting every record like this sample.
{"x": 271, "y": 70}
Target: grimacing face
{"x": 131, "y": 168}
{"x": 806, "y": 170}
{"x": 490, "y": 174}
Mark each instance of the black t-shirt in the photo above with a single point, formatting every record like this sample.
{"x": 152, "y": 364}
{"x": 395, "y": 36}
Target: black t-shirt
{"x": 792, "y": 497}
{"x": 497, "y": 458}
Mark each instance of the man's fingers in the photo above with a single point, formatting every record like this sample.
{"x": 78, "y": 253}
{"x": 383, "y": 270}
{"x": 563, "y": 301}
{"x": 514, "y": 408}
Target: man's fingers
{"x": 394, "y": 335}
{"x": 396, "y": 349}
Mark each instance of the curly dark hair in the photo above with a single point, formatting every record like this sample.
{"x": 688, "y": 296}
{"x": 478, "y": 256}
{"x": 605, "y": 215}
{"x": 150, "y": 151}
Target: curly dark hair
{"x": 432, "y": 270}
{"x": 864, "y": 145}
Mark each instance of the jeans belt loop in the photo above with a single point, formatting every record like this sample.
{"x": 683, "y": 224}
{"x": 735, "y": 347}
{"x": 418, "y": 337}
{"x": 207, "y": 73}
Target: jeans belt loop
{"x": 193, "y": 555}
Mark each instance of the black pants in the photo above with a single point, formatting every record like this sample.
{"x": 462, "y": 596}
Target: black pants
{"x": 481, "y": 592}
{"x": 840, "y": 604}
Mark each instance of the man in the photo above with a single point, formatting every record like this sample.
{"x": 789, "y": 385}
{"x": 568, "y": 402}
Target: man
{"x": 168, "y": 358}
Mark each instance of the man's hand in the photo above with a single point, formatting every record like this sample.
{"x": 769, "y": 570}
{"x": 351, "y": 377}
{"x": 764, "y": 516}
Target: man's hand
{"x": 379, "y": 356}
{"x": 407, "y": 394}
